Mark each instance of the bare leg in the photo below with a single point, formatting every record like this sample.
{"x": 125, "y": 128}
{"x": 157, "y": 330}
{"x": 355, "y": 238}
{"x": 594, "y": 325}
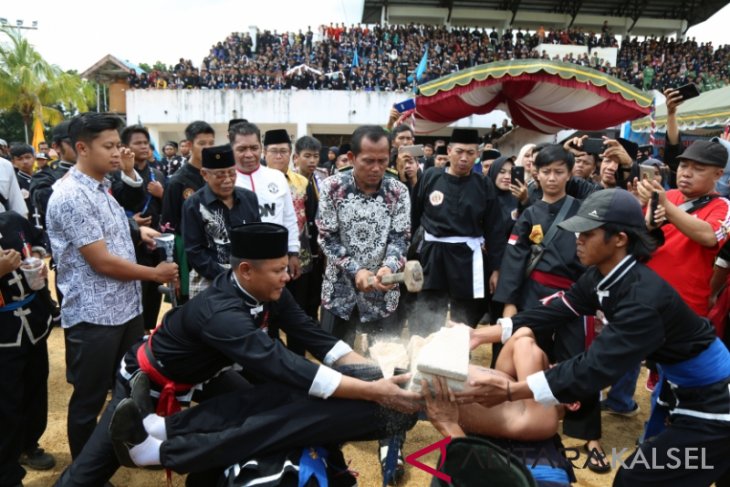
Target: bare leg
{"x": 519, "y": 420}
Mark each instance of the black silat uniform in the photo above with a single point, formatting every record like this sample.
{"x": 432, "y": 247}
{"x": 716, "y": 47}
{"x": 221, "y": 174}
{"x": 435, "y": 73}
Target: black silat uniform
{"x": 448, "y": 206}
{"x": 148, "y": 205}
{"x": 646, "y": 320}
{"x": 225, "y": 328}
{"x": 25, "y": 321}
{"x": 41, "y": 186}
{"x": 186, "y": 181}
{"x": 557, "y": 270}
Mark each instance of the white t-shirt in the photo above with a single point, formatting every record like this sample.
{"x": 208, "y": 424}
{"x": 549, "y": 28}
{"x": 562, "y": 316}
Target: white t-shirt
{"x": 275, "y": 201}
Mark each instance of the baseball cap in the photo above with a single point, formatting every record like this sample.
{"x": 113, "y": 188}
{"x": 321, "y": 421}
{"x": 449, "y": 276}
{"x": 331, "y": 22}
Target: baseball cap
{"x": 709, "y": 152}
{"x": 606, "y": 206}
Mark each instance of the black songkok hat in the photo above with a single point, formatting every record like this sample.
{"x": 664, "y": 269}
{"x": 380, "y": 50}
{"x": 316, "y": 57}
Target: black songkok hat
{"x": 441, "y": 151}
{"x": 218, "y": 157}
{"x": 490, "y": 154}
{"x": 236, "y": 121}
{"x": 344, "y": 149}
{"x": 276, "y": 136}
{"x": 465, "y": 136}
{"x": 259, "y": 241}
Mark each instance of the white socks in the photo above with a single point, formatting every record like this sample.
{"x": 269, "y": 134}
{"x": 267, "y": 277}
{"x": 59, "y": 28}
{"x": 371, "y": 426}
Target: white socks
{"x": 146, "y": 453}
{"x": 155, "y": 426}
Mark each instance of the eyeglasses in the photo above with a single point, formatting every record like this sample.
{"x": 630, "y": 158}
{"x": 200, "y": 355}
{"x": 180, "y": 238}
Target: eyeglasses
{"x": 278, "y": 152}
{"x": 222, "y": 175}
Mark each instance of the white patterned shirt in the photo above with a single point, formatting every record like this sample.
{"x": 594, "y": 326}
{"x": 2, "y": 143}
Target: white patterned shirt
{"x": 82, "y": 211}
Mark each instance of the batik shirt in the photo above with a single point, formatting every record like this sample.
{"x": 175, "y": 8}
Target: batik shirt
{"x": 298, "y": 185}
{"x": 82, "y": 211}
{"x": 361, "y": 231}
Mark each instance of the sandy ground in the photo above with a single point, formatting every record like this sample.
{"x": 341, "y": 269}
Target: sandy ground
{"x": 618, "y": 432}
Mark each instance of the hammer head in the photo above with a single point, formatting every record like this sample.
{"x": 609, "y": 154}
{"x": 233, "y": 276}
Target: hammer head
{"x": 413, "y": 276}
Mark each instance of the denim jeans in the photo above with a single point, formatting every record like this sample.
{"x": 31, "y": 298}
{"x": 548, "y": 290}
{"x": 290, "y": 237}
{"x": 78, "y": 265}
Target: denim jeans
{"x": 621, "y": 396}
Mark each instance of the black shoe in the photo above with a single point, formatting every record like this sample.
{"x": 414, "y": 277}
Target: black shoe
{"x": 140, "y": 387}
{"x": 126, "y": 431}
{"x": 37, "y": 459}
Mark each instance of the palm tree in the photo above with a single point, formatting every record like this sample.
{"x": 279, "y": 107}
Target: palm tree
{"x": 33, "y": 87}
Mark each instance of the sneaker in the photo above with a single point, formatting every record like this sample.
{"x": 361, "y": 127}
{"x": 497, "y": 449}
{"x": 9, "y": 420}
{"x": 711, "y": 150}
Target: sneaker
{"x": 627, "y": 414}
{"x": 652, "y": 381}
{"x": 37, "y": 459}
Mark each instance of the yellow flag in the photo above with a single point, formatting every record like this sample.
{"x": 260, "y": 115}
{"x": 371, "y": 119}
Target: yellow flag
{"x": 38, "y": 137}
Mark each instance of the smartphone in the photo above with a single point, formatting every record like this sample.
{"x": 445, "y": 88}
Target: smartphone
{"x": 404, "y": 106}
{"x": 688, "y": 91}
{"x": 414, "y": 150}
{"x": 647, "y": 171}
{"x": 592, "y": 146}
{"x": 653, "y": 206}
{"x": 518, "y": 174}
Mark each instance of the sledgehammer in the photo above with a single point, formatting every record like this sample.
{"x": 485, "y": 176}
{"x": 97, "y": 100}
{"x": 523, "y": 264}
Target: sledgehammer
{"x": 412, "y": 277}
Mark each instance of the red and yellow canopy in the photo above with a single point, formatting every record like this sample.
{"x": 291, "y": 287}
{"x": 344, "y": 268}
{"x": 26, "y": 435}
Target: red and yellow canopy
{"x": 546, "y": 96}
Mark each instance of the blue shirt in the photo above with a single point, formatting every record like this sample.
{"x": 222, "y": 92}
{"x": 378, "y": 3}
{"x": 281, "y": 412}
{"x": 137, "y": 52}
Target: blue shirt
{"x": 82, "y": 211}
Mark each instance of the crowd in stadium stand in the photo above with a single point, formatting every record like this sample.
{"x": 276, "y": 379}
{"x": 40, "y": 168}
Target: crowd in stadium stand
{"x": 381, "y": 58}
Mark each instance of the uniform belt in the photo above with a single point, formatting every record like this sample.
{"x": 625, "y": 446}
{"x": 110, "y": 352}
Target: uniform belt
{"x": 17, "y": 304}
{"x": 477, "y": 262}
{"x": 168, "y": 403}
{"x": 551, "y": 280}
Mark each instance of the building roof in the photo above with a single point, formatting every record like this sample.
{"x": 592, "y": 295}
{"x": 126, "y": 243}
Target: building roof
{"x": 634, "y": 16}
{"x": 110, "y": 68}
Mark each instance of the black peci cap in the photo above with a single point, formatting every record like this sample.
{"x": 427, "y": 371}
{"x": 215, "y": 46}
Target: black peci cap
{"x": 276, "y": 136}
{"x": 259, "y": 241}
{"x": 218, "y": 157}
{"x": 465, "y": 136}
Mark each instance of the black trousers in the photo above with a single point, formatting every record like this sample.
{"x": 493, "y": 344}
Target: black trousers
{"x": 24, "y": 404}
{"x": 93, "y": 354}
{"x": 347, "y": 330}
{"x": 266, "y": 419}
{"x": 431, "y": 307}
{"x": 97, "y": 462}
{"x": 307, "y": 292}
{"x": 702, "y": 456}
{"x": 151, "y": 302}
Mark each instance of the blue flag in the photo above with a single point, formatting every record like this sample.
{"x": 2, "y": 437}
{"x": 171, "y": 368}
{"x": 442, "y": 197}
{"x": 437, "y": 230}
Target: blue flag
{"x": 421, "y": 66}
{"x": 355, "y": 60}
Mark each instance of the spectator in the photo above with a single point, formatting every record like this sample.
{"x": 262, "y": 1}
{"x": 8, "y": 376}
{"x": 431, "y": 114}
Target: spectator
{"x": 102, "y": 309}
{"x": 22, "y": 157}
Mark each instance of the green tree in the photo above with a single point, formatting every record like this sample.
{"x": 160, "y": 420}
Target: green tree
{"x": 31, "y": 86}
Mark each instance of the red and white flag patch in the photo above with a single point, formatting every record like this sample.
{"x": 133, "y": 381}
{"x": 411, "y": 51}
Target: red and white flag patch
{"x": 512, "y": 239}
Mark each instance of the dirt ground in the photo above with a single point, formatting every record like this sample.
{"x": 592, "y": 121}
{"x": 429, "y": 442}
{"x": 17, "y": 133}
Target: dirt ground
{"x": 618, "y": 433}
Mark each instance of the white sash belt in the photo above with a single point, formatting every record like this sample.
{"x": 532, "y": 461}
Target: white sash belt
{"x": 477, "y": 264}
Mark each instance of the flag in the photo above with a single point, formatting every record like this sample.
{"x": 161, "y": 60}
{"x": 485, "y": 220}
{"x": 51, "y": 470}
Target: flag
{"x": 421, "y": 67}
{"x": 38, "y": 135}
{"x": 355, "y": 60}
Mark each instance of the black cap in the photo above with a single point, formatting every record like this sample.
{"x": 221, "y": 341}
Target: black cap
{"x": 441, "y": 151}
{"x": 60, "y": 131}
{"x": 276, "y": 136}
{"x": 709, "y": 152}
{"x": 218, "y": 157}
{"x": 236, "y": 121}
{"x": 465, "y": 136}
{"x": 606, "y": 206}
{"x": 343, "y": 149}
{"x": 490, "y": 154}
{"x": 259, "y": 241}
